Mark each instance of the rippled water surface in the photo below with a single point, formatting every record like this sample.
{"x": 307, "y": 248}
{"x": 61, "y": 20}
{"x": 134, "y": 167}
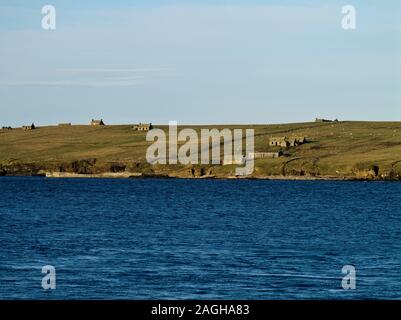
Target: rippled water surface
{"x": 199, "y": 239}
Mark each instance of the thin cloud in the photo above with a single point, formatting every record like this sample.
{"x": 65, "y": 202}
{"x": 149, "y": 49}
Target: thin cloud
{"x": 109, "y": 70}
{"x": 90, "y": 77}
{"x": 116, "y": 83}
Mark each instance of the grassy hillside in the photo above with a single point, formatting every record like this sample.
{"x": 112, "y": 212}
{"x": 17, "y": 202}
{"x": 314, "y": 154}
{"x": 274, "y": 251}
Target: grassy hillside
{"x": 334, "y": 149}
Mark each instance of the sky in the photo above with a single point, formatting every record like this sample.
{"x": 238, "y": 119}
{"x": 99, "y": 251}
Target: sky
{"x": 199, "y": 62}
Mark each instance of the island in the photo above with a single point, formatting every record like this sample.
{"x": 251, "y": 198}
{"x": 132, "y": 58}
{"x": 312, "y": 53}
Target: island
{"x": 320, "y": 149}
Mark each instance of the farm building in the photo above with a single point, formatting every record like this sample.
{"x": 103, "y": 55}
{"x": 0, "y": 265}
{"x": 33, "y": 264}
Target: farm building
{"x": 142, "y": 127}
{"x": 97, "y": 122}
{"x": 286, "y": 142}
{"x": 261, "y": 155}
{"x": 31, "y": 127}
{"x": 296, "y": 141}
{"x": 325, "y": 120}
{"x": 279, "y": 142}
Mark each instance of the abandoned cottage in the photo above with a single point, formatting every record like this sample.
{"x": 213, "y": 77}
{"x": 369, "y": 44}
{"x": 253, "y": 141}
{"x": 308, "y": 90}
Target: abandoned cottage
{"x": 97, "y": 122}
{"x": 286, "y": 142}
{"x": 142, "y": 127}
{"x": 31, "y": 127}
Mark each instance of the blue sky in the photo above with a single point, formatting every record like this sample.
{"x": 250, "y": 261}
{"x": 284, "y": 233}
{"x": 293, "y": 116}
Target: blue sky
{"x": 199, "y": 62}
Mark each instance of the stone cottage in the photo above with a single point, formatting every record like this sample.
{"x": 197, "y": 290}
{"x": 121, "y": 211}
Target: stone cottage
{"x": 31, "y": 127}
{"x": 286, "y": 142}
{"x": 261, "y": 155}
{"x": 97, "y": 122}
{"x": 279, "y": 142}
{"x": 325, "y": 120}
{"x": 142, "y": 127}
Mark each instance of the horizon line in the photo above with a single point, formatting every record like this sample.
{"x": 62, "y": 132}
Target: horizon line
{"x": 201, "y": 124}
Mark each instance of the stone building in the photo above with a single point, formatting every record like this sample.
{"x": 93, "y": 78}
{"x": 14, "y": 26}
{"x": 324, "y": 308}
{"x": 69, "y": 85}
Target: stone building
{"x": 279, "y": 142}
{"x": 296, "y": 141}
{"x": 261, "y": 155}
{"x": 142, "y": 127}
{"x": 97, "y": 122}
{"x": 31, "y": 127}
{"x": 325, "y": 120}
{"x": 286, "y": 142}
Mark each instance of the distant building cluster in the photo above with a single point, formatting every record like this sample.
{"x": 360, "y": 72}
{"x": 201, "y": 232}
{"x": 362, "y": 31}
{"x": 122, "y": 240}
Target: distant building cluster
{"x": 97, "y": 122}
{"x": 136, "y": 127}
{"x": 286, "y": 142}
{"x": 31, "y": 127}
{"x": 283, "y": 142}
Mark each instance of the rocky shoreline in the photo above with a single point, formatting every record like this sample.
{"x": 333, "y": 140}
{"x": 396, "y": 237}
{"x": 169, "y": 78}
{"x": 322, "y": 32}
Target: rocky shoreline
{"x": 139, "y": 175}
{"x": 356, "y": 151}
{"x": 88, "y": 169}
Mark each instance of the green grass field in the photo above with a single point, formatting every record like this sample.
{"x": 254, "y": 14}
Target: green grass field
{"x": 334, "y": 149}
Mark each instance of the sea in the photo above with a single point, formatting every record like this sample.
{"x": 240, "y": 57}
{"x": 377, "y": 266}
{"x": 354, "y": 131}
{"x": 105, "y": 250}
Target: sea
{"x": 199, "y": 239}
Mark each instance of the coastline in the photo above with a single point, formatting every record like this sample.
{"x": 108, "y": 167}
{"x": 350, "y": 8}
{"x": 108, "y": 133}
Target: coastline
{"x": 338, "y": 151}
{"x": 140, "y": 175}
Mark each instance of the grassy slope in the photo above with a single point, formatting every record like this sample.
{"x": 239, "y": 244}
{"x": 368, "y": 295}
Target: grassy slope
{"x": 336, "y": 149}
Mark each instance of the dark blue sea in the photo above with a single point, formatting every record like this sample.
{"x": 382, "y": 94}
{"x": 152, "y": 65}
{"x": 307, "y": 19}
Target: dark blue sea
{"x": 199, "y": 239}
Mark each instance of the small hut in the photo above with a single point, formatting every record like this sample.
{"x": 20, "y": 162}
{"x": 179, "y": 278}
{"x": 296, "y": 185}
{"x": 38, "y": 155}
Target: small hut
{"x": 142, "y": 127}
{"x": 31, "y": 127}
{"x": 286, "y": 142}
{"x": 261, "y": 155}
{"x": 279, "y": 142}
{"x": 97, "y": 122}
{"x": 325, "y": 120}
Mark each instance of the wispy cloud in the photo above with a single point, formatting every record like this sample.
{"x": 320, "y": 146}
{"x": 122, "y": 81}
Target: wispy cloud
{"x": 89, "y": 77}
{"x": 110, "y": 70}
{"x": 80, "y": 83}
